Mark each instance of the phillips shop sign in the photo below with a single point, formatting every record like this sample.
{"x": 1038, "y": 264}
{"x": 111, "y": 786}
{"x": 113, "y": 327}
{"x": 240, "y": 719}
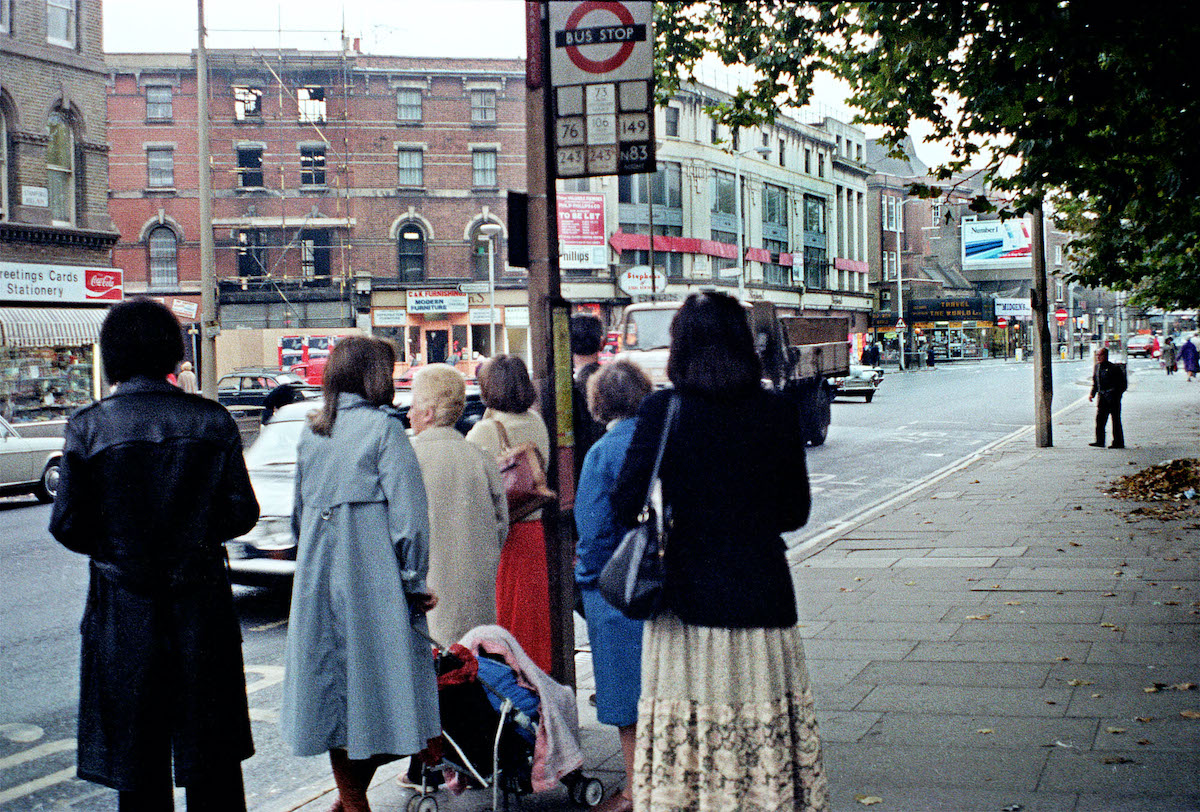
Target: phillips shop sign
{"x": 59, "y": 284}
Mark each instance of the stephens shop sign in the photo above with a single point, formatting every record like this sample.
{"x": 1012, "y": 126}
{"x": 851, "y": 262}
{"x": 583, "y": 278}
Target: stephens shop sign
{"x": 55, "y": 284}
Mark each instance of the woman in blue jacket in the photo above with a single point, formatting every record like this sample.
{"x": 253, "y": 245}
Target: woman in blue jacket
{"x": 614, "y": 394}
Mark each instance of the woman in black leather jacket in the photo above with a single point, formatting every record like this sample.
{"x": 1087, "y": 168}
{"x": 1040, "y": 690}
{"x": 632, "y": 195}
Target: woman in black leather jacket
{"x": 724, "y": 682}
{"x": 152, "y": 484}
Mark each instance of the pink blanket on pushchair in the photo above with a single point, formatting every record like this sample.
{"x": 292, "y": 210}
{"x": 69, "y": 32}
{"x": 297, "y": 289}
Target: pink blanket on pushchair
{"x": 556, "y": 752}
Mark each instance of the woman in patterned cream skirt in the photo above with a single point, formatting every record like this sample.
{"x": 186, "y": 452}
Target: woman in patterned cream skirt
{"x": 725, "y": 720}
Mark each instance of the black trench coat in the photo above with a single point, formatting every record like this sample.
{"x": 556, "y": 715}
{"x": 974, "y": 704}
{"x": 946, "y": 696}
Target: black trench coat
{"x": 152, "y": 483}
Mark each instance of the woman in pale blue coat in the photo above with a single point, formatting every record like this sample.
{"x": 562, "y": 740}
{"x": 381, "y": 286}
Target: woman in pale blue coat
{"x": 359, "y": 680}
{"x": 614, "y": 394}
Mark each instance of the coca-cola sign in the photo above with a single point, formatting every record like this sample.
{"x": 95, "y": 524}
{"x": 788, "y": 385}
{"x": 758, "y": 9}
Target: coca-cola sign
{"x": 103, "y": 284}
{"x": 59, "y": 284}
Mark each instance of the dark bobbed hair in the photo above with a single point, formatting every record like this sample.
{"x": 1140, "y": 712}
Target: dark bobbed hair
{"x": 357, "y": 365}
{"x": 616, "y": 390}
{"x": 140, "y": 337}
{"x": 504, "y": 384}
{"x": 712, "y": 349}
{"x": 587, "y": 335}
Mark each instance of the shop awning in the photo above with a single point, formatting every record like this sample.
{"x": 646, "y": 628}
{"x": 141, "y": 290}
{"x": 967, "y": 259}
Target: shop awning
{"x": 50, "y": 326}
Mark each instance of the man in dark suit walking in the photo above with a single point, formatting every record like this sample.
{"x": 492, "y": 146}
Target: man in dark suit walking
{"x": 1108, "y": 381}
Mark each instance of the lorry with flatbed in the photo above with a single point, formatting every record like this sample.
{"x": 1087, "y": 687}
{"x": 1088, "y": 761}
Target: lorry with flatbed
{"x": 801, "y": 355}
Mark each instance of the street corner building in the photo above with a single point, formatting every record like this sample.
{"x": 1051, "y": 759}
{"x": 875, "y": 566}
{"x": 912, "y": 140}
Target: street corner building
{"x": 56, "y": 238}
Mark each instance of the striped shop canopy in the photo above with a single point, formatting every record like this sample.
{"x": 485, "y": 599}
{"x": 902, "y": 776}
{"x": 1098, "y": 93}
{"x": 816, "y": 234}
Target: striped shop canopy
{"x": 50, "y": 326}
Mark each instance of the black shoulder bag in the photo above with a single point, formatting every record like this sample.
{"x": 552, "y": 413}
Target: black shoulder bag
{"x": 632, "y": 580}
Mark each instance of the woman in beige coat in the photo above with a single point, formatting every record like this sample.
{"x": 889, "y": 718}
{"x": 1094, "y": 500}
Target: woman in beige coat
{"x": 468, "y": 510}
{"x": 522, "y": 582}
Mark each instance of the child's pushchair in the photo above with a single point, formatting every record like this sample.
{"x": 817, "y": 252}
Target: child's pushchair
{"x": 506, "y": 726}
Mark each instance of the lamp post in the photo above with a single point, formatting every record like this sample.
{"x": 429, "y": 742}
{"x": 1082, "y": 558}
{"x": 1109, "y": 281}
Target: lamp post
{"x": 737, "y": 204}
{"x": 900, "y": 280}
{"x": 488, "y": 232}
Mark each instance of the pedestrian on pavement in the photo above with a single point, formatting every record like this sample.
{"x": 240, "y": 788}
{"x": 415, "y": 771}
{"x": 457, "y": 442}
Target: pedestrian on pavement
{"x": 614, "y": 394}
{"x": 359, "y": 679}
{"x": 522, "y": 581}
{"x": 1189, "y": 356}
{"x": 186, "y": 380}
{"x": 151, "y": 485}
{"x": 724, "y": 683}
{"x": 1108, "y": 381}
{"x": 587, "y": 339}
{"x": 468, "y": 509}
{"x": 1169, "y": 355}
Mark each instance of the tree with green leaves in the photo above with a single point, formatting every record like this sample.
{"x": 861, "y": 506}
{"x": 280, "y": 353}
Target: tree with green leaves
{"x": 1091, "y": 107}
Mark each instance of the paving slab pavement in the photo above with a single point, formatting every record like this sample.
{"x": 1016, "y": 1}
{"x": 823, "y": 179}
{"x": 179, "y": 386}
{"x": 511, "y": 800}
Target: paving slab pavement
{"x": 987, "y": 641}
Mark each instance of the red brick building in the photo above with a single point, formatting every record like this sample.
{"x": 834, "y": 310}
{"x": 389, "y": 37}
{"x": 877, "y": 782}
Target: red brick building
{"x": 348, "y": 191}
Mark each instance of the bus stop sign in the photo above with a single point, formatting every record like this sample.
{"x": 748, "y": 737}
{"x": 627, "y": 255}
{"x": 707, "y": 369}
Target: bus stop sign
{"x": 601, "y": 75}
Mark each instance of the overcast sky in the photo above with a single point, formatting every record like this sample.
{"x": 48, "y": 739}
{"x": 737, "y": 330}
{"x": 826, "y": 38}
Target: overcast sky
{"x": 483, "y": 28}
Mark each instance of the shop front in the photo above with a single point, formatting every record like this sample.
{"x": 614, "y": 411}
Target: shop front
{"x": 955, "y": 328}
{"x": 451, "y": 326}
{"x": 50, "y": 317}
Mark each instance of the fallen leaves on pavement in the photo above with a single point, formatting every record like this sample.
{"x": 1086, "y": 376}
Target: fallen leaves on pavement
{"x": 868, "y": 800}
{"x": 1165, "y": 484}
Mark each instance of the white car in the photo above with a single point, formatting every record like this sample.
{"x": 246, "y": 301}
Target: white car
{"x": 29, "y": 464}
{"x": 862, "y": 381}
{"x": 266, "y": 556}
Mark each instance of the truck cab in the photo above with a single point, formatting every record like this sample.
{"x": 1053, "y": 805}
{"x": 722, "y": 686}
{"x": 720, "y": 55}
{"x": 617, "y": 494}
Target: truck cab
{"x": 800, "y": 355}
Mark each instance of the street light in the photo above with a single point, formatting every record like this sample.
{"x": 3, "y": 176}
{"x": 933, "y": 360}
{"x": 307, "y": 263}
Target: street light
{"x": 900, "y": 280}
{"x": 487, "y": 233}
{"x": 737, "y": 190}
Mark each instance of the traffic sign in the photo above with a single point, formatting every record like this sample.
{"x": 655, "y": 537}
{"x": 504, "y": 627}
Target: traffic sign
{"x": 900, "y": 325}
{"x": 1001, "y": 322}
{"x": 1061, "y": 314}
{"x": 601, "y": 69}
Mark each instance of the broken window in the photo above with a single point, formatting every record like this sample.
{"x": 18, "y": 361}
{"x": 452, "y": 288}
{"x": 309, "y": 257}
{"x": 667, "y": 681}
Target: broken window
{"x": 247, "y": 103}
{"x": 251, "y": 253}
{"x": 314, "y": 254}
{"x": 250, "y": 171}
{"x": 311, "y": 101}
{"x": 312, "y": 165}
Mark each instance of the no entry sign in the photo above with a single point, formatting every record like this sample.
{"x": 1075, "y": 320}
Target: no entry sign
{"x": 601, "y": 69}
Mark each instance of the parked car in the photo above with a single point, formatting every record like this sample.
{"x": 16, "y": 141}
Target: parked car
{"x": 1142, "y": 344}
{"x": 250, "y": 386}
{"x": 861, "y": 382}
{"x": 266, "y": 556}
{"x": 29, "y": 464}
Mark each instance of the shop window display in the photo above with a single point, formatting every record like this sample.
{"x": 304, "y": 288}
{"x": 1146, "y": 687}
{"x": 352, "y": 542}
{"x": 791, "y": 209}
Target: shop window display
{"x": 45, "y": 383}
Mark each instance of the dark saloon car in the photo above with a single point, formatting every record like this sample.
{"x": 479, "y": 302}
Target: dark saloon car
{"x": 249, "y": 387}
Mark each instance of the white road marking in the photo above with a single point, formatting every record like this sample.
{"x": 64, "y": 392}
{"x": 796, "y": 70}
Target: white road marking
{"x": 49, "y": 748}
{"x": 36, "y": 785}
{"x": 268, "y": 675}
{"x": 21, "y": 732}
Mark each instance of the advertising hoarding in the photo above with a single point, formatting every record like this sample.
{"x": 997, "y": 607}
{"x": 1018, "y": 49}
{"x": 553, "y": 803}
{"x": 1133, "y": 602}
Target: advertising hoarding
{"x": 996, "y": 243}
